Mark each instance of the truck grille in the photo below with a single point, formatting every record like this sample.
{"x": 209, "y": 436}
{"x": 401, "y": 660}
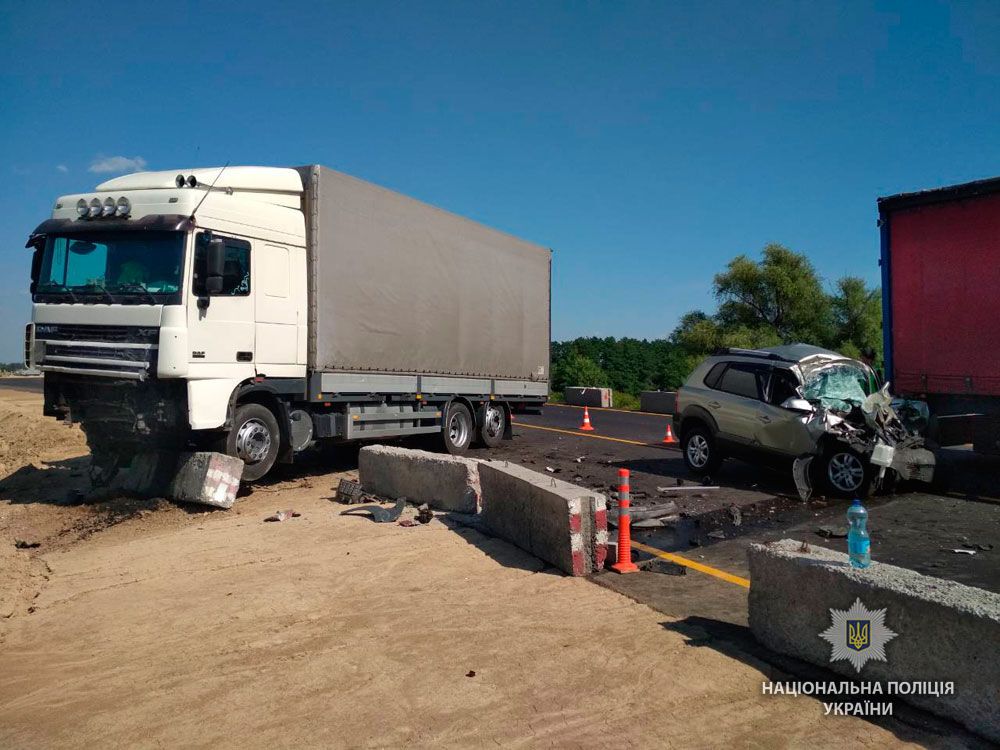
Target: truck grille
{"x": 111, "y": 351}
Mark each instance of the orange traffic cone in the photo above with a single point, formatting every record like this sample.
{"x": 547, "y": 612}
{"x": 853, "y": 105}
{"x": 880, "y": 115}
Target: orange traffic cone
{"x": 586, "y": 426}
{"x": 669, "y": 437}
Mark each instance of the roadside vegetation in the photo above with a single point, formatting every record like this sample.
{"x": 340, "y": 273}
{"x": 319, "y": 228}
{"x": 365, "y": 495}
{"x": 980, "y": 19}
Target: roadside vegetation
{"x": 778, "y": 299}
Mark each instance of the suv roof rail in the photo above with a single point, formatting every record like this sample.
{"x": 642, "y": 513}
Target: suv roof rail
{"x": 736, "y": 351}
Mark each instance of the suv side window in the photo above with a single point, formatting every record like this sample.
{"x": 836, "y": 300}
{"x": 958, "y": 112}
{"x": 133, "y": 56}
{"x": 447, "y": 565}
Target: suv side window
{"x": 236, "y": 273}
{"x": 741, "y": 380}
{"x": 782, "y": 387}
{"x": 712, "y": 379}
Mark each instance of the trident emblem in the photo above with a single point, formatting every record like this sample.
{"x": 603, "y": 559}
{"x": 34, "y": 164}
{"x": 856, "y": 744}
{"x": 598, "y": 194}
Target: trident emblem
{"x": 858, "y": 634}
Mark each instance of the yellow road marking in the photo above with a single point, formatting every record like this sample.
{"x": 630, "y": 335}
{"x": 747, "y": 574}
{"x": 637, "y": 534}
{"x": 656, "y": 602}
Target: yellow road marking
{"x": 604, "y": 408}
{"x": 700, "y": 567}
{"x": 596, "y": 437}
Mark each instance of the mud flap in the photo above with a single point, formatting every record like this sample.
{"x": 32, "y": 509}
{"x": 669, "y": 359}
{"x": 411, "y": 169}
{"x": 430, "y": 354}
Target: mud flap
{"x": 800, "y": 471}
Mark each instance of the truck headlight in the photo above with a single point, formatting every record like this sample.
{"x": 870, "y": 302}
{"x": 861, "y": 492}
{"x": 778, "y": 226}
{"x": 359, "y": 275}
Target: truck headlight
{"x": 95, "y": 208}
{"x": 109, "y": 207}
{"x": 124, "y": 207}
{"x": 82, "y": 209}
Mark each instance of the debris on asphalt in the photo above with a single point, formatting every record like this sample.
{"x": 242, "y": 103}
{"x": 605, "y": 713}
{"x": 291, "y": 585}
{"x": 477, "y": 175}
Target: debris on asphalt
{"x": 425, "y": 514}
{"x": 832, "y": 532}
{"x": 698, "y": 487}
{"x": 22, "y": 544}
{"x": 735, "y": 514}
{"x": 717, "y": 534}
{"x": 282, "y": 515}
{"x": 349, "y": 492}
{"x": 664, "y": 567}
{"x": 579, "y": 459}
{"x": 379, "y": 514}
{"x": 960, "y": 551}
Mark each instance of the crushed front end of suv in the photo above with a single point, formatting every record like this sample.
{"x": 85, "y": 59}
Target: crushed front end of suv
{"x": 823, "y": 412}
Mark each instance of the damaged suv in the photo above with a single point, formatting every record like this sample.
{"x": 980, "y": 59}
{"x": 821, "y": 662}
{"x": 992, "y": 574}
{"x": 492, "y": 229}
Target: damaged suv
{"x": 820, "y": 412}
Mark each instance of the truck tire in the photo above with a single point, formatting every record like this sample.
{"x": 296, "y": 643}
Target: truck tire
{"x": 254, "y": 438}
{"x": 700, "y": 453}
{"x": 492, "y": 424}
{"x": 846, "y": 473}
{"x": 457, "y": 428}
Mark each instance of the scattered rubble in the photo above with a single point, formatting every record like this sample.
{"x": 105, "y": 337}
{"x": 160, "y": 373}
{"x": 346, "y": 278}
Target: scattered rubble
{"x": 282, "y": 515}
{"x": 349, "y": 492}
{"x": 22, "y": 544}
{"x": 379, "y": 514}
{"x": 832, "y": 532}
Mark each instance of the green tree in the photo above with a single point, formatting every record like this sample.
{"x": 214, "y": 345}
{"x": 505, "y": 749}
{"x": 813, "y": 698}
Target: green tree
{"x": 857, "y": 317}
{"x": 578, "y": 370}
{"x": 778, "y": 298}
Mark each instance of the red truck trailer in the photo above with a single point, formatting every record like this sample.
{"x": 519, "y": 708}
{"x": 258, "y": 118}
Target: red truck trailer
{"x": 940, "y": 263}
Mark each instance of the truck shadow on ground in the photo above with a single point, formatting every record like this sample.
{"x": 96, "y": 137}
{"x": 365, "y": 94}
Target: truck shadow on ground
{"x": 53, "y": 482}
{"x": 907, "y": 723}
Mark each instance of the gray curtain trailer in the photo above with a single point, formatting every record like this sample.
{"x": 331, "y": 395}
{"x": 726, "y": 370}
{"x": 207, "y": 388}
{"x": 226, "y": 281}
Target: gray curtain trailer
{"x": 418, "y": 317}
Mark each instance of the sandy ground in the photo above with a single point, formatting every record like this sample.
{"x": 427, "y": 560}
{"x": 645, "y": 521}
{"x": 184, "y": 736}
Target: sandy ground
{"x": 144, "y": 624}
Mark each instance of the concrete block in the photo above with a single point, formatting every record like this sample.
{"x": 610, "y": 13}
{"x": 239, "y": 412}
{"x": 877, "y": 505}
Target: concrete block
{"x": 658, "y": 402}
{"x": 207, "y": 478}
{"x": 603, "y": 397}
{"x": 442, "y": 481}
{"x": 559, "y": 522}
{"x": 149, "y": 473}
{"x": 945, "y": 631}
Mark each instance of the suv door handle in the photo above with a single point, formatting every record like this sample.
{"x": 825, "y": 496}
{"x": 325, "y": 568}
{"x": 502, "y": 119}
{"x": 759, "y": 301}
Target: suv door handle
{"x": 714, "y": 404}
{"x": 763, "y": 418}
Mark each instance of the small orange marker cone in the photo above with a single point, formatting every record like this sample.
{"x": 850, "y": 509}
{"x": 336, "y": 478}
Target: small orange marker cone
{"x": 669, "y": 437}
{"x": 586, "y": 426}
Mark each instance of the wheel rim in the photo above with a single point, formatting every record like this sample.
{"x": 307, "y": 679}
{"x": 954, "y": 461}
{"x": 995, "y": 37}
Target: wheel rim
{"x": 253, "y": 441}
{"x": 697, "y": 451}
{"x": 493, "y": 421}
{"x": 846, "y": 472}
{"x": 458, "y": 429}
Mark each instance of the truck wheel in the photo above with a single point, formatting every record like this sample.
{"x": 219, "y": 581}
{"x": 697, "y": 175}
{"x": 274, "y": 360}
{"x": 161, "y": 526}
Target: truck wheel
{"x": 493, "y": 424}
{"x": 254, "y": 438}
{"x": 846, "y": 473}
{"x": 700, "y": 454}
{"x": 457, "y": 429}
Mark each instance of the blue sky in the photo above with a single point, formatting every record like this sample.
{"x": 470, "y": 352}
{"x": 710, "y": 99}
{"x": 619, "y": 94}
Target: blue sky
{"x": 646, "y": 143}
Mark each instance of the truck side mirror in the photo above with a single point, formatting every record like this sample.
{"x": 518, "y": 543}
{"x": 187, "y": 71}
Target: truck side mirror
{"x": 215, "y": 264}
{"x": 36, "y": 268}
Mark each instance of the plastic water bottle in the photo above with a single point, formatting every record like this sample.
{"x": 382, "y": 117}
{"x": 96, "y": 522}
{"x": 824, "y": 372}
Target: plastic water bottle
{"x": 858, "y": 543}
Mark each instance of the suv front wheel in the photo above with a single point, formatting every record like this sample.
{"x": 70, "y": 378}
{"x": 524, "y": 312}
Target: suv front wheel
{"x": 700, "y": 453}
{"x": 846, "y": 473}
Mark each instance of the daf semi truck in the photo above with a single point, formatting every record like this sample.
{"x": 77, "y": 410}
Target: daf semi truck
{"x": 260, "y": 310}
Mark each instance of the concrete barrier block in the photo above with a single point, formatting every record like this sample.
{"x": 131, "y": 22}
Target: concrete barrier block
{"x": 442, "y": 481}
{"x": 945, "y": 631}
{"x": 559, "y": 522}
{"x": 658, "y": 402}
{"x": 603, "y": 397}
{"x": 150, "y": 473}
{"x": 207, "y": 478}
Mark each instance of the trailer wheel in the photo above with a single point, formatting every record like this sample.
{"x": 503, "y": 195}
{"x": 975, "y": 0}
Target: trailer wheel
{"x": 254, "y": 438}
{"x": 457, "y": 428}
{"x": 492, "y": 425}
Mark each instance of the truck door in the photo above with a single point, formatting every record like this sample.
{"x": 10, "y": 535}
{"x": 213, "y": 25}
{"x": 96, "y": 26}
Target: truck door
{"x": 222, "y": 332}
{"x": 276, "y": 308}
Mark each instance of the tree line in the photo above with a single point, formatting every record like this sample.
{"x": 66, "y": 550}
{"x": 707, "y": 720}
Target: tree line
{"x": 778, "y": 299}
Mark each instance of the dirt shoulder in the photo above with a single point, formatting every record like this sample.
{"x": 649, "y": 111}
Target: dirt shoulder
{"x": 167, "y": 627}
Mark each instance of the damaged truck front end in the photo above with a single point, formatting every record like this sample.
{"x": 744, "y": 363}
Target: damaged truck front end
{"x": 868, "y": 440}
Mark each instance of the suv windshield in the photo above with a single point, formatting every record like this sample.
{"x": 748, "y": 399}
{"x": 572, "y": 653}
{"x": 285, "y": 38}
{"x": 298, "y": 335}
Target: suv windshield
{"x": 839, "y": 385}
{"x": 127, "y": 267}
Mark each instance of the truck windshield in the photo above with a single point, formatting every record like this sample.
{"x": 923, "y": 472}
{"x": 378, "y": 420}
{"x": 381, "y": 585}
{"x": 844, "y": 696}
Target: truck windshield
{"x": 126, "y": 267}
